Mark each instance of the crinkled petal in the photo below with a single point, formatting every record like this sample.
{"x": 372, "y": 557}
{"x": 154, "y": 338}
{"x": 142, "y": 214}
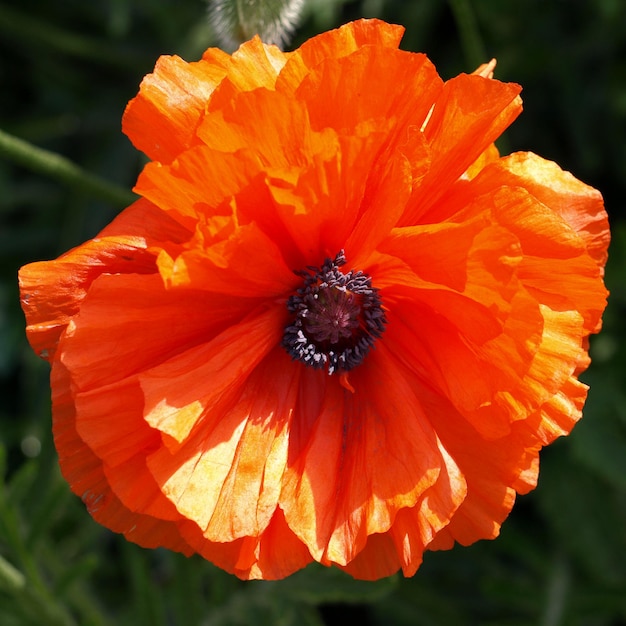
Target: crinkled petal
{"x": 363, "y": 458}
{"x": 138, "y": 307}
{"x": 563, "y": 231}
{"x": 336, "y": 44}
{"x": 275, "y": 554}
{"x": 467, "y": 117}
{"x": 179, "y": 392}
{"x": 580, "y": 205}
{"x": 395, "y": 99}
{"x": 216, "y": 478}
{"x": 162, "y": 120}
{"x": 52, "y": 292}
{"x": 84, "y": 472}
{"x": 200, "y": 182}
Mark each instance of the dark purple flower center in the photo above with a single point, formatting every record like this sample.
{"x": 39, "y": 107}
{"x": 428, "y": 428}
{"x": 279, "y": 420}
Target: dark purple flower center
{"x": 337, "y": 317}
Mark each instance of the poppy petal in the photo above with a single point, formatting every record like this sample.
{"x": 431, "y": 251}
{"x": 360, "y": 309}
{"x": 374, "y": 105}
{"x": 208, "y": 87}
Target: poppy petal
{"x": 161, "y": 121}
{"x": 182, "y": 389}
{"x": 275, "y": 554}
{"x": 138, "y": 307}
{"x": 52, "y": 294}
{"x": 394, "y": 99}
{"x": 221, "y": 461}
{"x": 359, "y": 494}
{"x": 85, "y": 474}
{"x": 467, "y": 117}
{"x": 336, "y": 44}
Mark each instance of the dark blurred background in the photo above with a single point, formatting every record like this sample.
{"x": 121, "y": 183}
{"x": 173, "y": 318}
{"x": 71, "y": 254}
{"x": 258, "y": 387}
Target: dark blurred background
{"x": 67, "y": 70}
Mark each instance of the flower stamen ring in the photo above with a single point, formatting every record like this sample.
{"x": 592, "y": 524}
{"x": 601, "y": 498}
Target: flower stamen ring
{"x": 337, "y": 317}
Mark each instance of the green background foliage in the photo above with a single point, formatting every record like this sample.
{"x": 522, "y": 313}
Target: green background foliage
{"x": 67, "y": 70}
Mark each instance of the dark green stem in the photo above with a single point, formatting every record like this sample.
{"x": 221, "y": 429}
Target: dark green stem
{"x": 472, "y": 42}
{"x": 62, "y": 169}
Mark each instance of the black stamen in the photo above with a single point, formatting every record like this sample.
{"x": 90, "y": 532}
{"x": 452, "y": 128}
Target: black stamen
{"x": 337, "y": 317}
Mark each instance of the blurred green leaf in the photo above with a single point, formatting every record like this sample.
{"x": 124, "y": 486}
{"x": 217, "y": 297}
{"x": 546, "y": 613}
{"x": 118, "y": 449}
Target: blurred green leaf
{"x": 600, "y": 439}
{"x": 11, "y": 579}
{"x": 586, "y": 513}
{"x": 321, "y": 585}
{"x": 25, "y": 26}
{"x": 254, "y": 607}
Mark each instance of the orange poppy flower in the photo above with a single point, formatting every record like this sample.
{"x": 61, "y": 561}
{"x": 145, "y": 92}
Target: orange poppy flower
{"x": 336, "y": 327}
